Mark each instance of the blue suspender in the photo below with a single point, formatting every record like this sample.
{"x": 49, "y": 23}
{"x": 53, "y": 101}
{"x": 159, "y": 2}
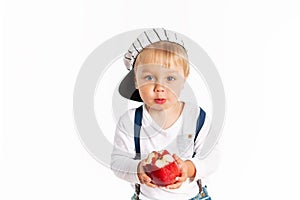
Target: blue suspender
{"x": 200, "y": 122}
{"x": 137, "y": 129}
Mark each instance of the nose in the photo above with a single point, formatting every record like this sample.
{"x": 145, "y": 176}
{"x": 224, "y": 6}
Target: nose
{"x": 159, "y": 88}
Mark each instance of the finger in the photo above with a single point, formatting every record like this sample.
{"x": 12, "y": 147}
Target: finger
{"x": 151, "y": 185}
{"x": 178, "y": 160}
{"x": 181, "y": 179}
{"x": 143, "y": 163}
{"x": 176, "y": 157}
{"x": 146, "y": 179}
{"x": 183, "y": 172}
{"x": 141, "y": 167}
{"x": 175, "y": 185}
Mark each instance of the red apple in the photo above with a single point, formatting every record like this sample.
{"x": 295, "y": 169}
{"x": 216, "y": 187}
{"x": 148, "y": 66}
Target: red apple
{"x": 161, "y": 168}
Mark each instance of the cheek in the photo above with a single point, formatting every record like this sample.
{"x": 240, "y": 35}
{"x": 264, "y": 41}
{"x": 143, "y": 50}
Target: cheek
{"x": 175, "y": 89}
{"x": 145, "y": 90}
{"x": 174, "y": 95}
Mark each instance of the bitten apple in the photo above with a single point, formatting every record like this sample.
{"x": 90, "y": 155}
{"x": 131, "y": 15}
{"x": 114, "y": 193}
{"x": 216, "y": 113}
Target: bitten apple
{"x": 161, "y": 168}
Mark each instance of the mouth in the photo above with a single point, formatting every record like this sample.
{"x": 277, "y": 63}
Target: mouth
{"x": 160, "y": 101}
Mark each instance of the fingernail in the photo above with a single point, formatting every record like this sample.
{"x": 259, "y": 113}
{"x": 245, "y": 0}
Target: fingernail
{"x": 176, "y": 179}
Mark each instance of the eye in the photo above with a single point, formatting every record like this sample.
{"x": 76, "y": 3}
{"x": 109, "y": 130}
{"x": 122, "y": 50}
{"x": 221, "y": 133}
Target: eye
{"x": 170, "y": 78}
{"x": 149, "y": 78}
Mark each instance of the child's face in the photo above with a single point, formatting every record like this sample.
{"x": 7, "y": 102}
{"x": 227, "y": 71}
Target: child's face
{"x": 159, "y": 86}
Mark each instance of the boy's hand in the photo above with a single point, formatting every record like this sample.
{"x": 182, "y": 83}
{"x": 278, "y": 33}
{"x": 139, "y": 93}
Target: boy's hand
{"x": 187, "y": 170}
{"x": 143, "y": 177}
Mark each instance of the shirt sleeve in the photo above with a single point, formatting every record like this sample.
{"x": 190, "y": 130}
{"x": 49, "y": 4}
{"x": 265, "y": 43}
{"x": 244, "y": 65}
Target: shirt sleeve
{"x": 122, "y": 158}
{"x": 209, "y": 164}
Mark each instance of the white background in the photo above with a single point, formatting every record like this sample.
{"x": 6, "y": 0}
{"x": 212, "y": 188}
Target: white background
{"x": 254, "y": 44}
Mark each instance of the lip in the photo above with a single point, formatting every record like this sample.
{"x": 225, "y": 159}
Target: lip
{"x": 160, "y": 101}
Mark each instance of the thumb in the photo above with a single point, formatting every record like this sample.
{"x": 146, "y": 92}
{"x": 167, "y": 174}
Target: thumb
{"x": 177, "y": 159}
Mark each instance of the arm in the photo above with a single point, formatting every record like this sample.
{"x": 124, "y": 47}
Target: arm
{"x": 122, "y": 158}
{"x": 205, "y": 166}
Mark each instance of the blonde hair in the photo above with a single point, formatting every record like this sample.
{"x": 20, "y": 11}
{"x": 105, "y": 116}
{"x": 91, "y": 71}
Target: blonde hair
{"x": 166, "y": 54}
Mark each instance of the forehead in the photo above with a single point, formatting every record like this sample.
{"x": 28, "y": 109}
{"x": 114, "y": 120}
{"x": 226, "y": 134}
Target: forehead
{"x": 158, "y": 60}
{"x": 157, "y": 68}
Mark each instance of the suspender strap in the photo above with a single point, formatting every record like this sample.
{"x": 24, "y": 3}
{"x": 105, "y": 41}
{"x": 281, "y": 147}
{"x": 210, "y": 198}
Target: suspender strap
{"x": 137, "y": 192}
{"x": 200, "y": 122}
{"x": 137, "y": 129}
{"x": 199, "y": 185}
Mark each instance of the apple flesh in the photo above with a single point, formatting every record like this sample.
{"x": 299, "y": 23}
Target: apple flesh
{"x": 161, "y": 168}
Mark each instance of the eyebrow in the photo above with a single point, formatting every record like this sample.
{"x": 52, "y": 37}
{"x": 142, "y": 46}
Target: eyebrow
{"x": 151, "y": 71}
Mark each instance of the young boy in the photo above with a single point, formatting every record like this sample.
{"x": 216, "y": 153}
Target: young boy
{"x": 159, "y": 68}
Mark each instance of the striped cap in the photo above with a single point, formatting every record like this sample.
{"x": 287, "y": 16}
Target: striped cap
{"x": 147, "y": 38}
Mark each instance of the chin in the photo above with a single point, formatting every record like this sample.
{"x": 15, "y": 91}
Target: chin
{"x": 157, "y": 107}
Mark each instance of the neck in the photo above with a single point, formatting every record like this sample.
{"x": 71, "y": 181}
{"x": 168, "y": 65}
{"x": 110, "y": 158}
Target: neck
{"x": 166, "y": 117}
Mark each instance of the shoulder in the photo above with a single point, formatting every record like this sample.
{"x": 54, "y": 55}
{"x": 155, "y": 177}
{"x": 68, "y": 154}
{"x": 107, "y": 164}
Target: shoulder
{"x": 126, "y": 120}
{"x": 191, "y": 109}
{"x": 191, "y": 113}
{"x": 190, "y": 106}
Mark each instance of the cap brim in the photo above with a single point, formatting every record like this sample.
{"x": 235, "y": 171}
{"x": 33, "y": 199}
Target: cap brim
{"x": 127, "y": 88}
